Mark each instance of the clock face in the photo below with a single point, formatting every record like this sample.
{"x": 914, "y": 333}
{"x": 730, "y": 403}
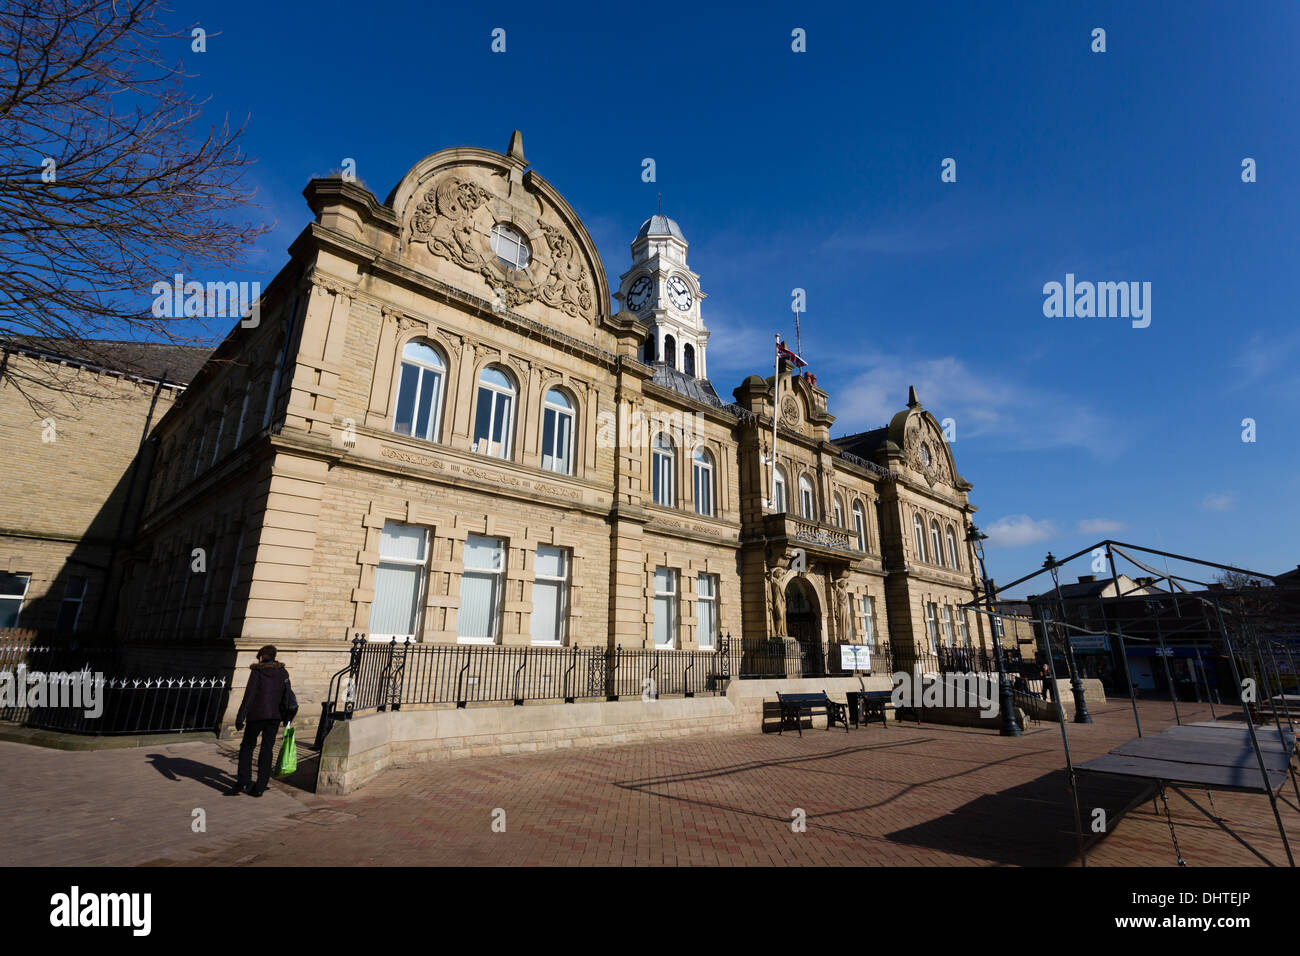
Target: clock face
{"x": 639, "y": 295}
{"x": 679, "y": 294}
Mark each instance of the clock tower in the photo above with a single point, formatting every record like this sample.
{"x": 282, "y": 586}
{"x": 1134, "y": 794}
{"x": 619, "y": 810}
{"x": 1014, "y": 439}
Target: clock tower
{"x": 665, "y": 294}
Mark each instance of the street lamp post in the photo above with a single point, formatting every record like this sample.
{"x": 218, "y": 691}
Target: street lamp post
{"x": 1081, "y": 715}
{"x": 1006, "y": 700}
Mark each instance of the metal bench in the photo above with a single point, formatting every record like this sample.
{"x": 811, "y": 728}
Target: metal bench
{"x": 866, "y": 705}
{"x": 794, "y": 706}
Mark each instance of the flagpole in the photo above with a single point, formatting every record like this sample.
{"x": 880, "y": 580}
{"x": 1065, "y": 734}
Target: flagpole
{"x": 776, "y": 411}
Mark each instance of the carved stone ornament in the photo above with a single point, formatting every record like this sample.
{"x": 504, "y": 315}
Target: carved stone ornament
{"x": 936, "y": 469}
{"x": 454, "y": 220}
{"x": 790, "y": 410}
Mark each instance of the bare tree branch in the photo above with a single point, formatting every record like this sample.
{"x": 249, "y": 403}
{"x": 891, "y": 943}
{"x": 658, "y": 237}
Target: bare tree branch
{"x": 109, "y": 181}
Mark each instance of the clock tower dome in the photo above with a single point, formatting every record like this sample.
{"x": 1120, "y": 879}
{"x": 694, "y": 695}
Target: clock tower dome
{"x": 666, "y": 295}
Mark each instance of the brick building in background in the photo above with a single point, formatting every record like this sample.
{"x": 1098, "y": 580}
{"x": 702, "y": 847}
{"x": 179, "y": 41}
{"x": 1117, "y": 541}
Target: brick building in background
{"x": 440, "y": 431}
{"x": 74, "y": 422}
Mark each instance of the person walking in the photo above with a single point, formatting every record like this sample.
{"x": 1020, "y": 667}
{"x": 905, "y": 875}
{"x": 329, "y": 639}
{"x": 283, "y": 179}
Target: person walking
{"x": 261, "y": 710}
{"x": 1047, "y": 682}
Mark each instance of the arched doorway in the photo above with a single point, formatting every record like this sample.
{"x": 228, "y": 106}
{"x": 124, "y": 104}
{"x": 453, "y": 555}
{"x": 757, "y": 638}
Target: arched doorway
{"x": 803, "y": 623}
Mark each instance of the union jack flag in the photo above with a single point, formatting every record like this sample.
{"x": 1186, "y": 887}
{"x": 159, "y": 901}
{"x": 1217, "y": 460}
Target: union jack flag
{"x": 785, "y": 355}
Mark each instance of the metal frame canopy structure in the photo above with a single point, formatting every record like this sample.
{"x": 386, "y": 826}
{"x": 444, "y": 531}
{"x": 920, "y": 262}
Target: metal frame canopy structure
{"x": 1211, "y": 755}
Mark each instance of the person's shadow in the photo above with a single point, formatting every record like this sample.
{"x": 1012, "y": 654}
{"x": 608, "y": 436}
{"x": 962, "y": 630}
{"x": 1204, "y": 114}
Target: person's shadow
{"x": 174, "y": 768}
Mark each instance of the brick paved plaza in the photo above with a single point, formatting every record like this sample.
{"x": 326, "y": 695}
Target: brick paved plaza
{"x": 905, "y": 795}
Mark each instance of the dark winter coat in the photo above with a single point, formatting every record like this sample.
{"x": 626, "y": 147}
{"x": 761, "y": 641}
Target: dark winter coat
{"x": 264, "y": 691}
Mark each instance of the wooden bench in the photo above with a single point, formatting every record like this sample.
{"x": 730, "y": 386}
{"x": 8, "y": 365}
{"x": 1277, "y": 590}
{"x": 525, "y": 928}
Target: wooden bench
{"x": 867, "y": 705}
{"x": 794, "y": 706}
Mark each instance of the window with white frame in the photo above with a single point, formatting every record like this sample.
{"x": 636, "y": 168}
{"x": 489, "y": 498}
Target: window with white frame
{"x": 550, "y": 594}
{"x": 665, "y": 609}
{"x": 936, "y": 545}
{"x": 947, "y": 625}
{"x": 868, "y": 620}
{"x": 778, "y": 490}
{"x": 838, "y": 506}
{"x": 807, "y": 500}
{"x": 706, "y": 610}
{"x": 860, "y": 525}
{"x": 932, "y": 626}
{"x": 952, "y": 549}
{"x": 420, "y": 388}
{"x": 481, "y": 588}
{"x": 661, "y": 471}
{"x": 510, "y": 246}
{"x": 494, "y": 419}
{"x": 557, "y": 432}
{"x": 702, "y": 469}
{"x": 399, "y": 582}
{"x": 74, "y": 595}
{"x": 963, "y": 627}
{"x": 918, "y": 529}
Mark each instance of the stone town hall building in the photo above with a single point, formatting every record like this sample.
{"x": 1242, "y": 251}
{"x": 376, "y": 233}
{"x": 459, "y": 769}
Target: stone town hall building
{"x": 441, "y": 431}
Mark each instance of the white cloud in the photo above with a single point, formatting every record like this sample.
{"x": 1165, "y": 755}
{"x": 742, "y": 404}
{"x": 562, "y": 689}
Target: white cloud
{"x": 1017, "y": 531}
{"x": 1100, "y": 526}
{"x": 1219, "y": 501}
{"x": 982, "y": 402}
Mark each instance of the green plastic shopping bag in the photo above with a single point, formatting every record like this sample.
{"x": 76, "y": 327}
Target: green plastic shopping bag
{"x": 288, "y": 754}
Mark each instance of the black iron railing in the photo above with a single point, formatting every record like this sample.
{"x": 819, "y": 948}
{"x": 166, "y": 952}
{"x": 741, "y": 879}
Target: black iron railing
{"x": 386, "y": 675}
{"x": 65, "y": 689}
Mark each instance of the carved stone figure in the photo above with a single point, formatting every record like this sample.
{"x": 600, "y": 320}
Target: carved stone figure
{"x": 776, "y": 585}
{"x": 845, "y": 613}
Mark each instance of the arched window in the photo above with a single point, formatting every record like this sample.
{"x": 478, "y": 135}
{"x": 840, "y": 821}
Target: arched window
{"x": 839, "y": 512}
{"x": 919, "y": 530}
{"x": 557, "y": 432}
{"x": 494, "y": 420}
{"x": 936, "y": 545}
{"x": 661, "y": 471}
{"x": 778, "y": 490}
{"x": 688, "y": 359}
{"x": 703, "y": 474}
{"x": 860, "y": 525}
{"x": 952, "y": 549}
{"x": 807, "y": 500}
{"x": 670, "y": 351}
{"x": 419, "y": 392}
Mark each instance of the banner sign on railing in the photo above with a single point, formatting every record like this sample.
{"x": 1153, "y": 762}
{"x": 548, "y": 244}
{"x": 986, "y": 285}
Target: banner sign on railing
{"x": 855, "y": 657}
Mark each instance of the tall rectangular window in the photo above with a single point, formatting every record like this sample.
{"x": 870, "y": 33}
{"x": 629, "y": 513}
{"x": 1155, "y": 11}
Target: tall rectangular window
{"x": 243, "y": 413}
{"x": 494, "y": 416}
{"x": 661, "y": 472}
{"x": 399, "y": 582}
{"x": 13, "y": 590}
{"x": 665, "y": 623}
{"x": 947, "y": 625}
{"x": 964, "y": 628}
{"x": 932, "y": 627}
{"x": 868, "y": 620}
{"x": 481, "y": 587}
{"x": 74, "y": 593}
{"x": 557, "y": 433}
{"x": 706, "y": 610}
{"x": 702, "y": 471}
{"x": 550, "y": 594}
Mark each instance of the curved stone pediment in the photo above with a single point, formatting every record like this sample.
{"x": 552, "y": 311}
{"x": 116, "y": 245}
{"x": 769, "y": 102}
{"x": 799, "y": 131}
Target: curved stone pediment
{"x": 448, "y": 205}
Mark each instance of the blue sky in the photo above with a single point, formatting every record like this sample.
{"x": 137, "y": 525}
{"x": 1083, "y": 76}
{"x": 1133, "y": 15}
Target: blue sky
{"x": 821, "y": 170}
